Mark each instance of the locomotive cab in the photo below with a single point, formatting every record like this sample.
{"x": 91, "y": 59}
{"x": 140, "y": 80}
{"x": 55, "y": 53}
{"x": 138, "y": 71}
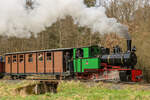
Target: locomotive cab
{"x": 86, "y": 58}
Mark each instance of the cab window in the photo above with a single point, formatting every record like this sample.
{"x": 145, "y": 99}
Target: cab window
{"x": 79, "y": 53}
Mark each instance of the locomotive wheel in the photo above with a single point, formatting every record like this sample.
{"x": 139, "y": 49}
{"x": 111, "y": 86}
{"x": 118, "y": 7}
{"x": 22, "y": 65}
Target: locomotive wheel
{"x": 128, "y": 78}
{"x": 123, "y": 76}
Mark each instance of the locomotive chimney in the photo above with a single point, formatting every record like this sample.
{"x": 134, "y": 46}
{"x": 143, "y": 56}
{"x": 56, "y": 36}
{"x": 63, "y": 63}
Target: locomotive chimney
{"x": 129, "y": 45}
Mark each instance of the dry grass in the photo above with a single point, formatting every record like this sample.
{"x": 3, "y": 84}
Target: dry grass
{"x": 76, "y": 90}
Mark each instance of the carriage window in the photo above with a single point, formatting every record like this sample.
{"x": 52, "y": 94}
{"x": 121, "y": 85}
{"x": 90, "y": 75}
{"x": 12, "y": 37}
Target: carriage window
{"x": 14, "y": 58}
{"x": 48, "y": 56}
{"x": 9, "y": 60}
{"x": 30, "y": 58}
{"x": 40, "y": 57}
{"x": 21, "y": 58}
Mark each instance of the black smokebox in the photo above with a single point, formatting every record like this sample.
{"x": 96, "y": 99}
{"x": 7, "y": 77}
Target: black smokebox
{"x": 129, "y": 42}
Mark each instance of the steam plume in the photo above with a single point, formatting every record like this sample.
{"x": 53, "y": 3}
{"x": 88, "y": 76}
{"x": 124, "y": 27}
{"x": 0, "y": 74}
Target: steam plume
{"x": 16, "y": 20}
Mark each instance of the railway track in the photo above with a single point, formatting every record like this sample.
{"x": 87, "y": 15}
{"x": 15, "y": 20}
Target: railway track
{"x": 84, "y": 81}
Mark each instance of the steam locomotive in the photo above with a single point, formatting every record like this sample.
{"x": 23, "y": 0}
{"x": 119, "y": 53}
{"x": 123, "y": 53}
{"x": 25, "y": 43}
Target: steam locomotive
{"x": 91, "y": 63}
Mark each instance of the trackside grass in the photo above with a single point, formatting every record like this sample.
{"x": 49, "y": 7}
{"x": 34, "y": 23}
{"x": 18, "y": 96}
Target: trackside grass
{"x": 76, "y": 90}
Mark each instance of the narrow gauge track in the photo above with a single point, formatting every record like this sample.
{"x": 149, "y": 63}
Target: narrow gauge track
{"x": 84, "y": 81}
{"x": 126, "y": 83}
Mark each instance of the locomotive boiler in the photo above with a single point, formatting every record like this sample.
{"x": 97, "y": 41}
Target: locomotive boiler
{"x": 118, "y": 58}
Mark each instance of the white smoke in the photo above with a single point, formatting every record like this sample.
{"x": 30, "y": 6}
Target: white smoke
{"x": 16, "y": 20}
